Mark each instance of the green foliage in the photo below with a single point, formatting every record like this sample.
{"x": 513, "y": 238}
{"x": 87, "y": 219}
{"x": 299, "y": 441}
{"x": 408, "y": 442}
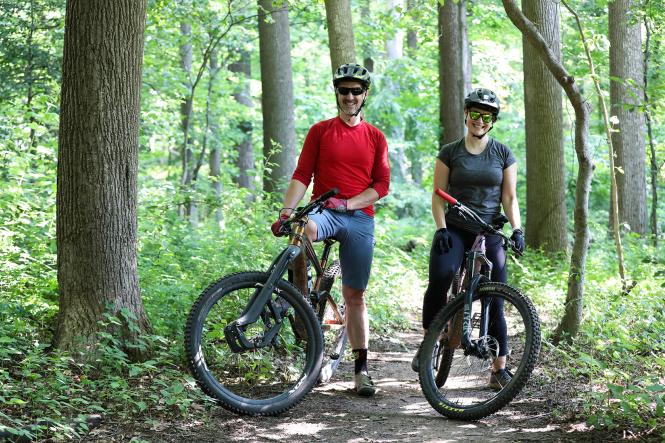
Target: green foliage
{"x": 619, "y": 349}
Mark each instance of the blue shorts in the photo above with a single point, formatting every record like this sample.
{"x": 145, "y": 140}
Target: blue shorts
{"x": 355, "y": 233}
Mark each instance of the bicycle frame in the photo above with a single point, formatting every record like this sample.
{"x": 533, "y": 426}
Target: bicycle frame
{"x": 234, "y": 331}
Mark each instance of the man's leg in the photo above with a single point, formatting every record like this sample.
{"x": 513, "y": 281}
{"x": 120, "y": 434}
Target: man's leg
{"x": 357, "y": 323}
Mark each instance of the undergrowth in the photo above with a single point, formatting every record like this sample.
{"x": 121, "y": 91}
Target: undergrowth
{"x": 618, "y": 355}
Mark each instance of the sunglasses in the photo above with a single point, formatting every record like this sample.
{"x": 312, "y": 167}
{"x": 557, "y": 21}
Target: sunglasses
{"x": 354, "y": 91}
{"x": 487, "y": 118}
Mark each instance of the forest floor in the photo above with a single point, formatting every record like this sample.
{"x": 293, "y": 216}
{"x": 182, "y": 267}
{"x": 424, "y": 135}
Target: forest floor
{"x": 544, "y": 411}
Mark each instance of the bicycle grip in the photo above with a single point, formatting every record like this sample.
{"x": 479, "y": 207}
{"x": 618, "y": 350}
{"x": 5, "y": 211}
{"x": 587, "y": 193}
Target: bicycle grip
{"x": 327, "y": 195}
{"x": 447, "y": 197}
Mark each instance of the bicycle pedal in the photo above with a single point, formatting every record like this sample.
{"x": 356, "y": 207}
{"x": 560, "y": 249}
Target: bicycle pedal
{"x": 334, "y": 356}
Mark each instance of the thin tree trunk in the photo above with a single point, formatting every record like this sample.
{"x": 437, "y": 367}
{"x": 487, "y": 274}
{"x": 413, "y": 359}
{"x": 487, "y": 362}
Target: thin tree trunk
{"x": 245, "y": 160}
{"x": 652, "y": 147}
{"x": 97, "y": 172}
{"x": 572, "y": 318}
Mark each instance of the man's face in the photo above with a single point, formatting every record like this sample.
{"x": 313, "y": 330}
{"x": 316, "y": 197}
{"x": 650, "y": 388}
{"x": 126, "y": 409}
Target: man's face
{"x": 348, "y": 101}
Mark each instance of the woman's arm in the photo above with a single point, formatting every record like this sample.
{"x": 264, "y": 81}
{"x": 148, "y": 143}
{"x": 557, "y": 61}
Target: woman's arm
{"x": 441, "y": 175}
{"x": 509, "y": 196}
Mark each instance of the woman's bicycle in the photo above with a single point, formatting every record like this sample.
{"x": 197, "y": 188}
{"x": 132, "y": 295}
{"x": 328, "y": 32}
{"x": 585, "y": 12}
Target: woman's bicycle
{"x": 254, "y": 341}
{"x": 458, "y": 350}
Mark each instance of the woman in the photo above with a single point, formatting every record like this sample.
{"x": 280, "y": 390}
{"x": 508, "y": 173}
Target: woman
{"x": 482, "y": 173}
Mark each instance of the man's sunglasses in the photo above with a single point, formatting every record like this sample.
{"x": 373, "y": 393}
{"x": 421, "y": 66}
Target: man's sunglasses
{"x": 487, "y": 118}
{"x": 354, "y": 91}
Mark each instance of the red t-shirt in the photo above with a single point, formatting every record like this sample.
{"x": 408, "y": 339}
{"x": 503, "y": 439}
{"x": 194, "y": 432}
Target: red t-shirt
{"x": 350, "y": 159}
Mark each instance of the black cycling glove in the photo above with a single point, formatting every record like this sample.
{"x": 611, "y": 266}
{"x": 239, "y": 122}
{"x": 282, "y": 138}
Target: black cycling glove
{"x": 518, "y": 240}
{"x": 442, "y": 240}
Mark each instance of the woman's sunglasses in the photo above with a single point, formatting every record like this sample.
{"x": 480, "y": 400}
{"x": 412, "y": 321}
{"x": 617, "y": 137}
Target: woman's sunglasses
{"x": 354, "y": 91}
{"x": 487, "y": 118}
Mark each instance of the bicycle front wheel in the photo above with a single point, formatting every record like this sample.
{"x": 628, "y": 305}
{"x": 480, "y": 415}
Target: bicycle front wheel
{"x": 333, "y": 322}
{"x": 455, "y": 380}
{"x": 266, "y": 380}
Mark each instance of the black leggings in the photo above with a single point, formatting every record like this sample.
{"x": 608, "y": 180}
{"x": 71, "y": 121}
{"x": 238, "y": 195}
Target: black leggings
{"x": 442, "y": 269}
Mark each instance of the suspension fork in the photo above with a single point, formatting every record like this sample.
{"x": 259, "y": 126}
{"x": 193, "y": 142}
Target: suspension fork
{"x": 234, "y": 331}
{"x": 476, "y": 261}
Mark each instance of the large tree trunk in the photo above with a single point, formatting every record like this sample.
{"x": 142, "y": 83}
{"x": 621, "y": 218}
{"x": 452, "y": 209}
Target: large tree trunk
{"x": 340, "y": 33}
{"x": 453, "y": 75}
{"x": 626, "y": 95}
{"x": 279, "y": 135}
{"x": 572, "y": 318}
{"x": 97, "y": 170}
{"x": 547, "y": 220}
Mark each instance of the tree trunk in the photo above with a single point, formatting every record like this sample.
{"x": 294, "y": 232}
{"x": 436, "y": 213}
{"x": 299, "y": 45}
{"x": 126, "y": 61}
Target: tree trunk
{"x": 186, "y": 154}
{"x": 626, "y": 96}
{"x": 97, "y": 171}
{"x": 452, "y": 70}
{"x": 340, "y": 33}
{"x": 245, "y": 160}
{"x": 572, "y": 318}
{"x": 652, "y": 147}
{"x": 396, "y": 151}
{"x": 410, "y": 128}
{"x": 211, "y": 137}
{"x": 279, "y": 134}
{"x": 547, "y": 219}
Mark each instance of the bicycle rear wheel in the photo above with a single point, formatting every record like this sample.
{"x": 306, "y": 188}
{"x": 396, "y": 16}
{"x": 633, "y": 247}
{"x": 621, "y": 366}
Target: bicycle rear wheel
{"x": 262, "y": 381}
{"x": 464, "y": 393}
{"x": 333, "y": 322}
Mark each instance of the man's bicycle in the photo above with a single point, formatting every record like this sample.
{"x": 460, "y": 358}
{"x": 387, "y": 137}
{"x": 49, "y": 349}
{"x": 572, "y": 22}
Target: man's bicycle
{"x": 254, "y": 341}
{"x": 458, "y": 350}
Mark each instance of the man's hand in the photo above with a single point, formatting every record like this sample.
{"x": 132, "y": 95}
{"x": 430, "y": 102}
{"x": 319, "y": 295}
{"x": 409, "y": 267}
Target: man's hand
{"x": 278, "y": 225}
{"x": 336, "y": 204}
{"x": 442, "y": 240}
{"x": 518, "y": 240}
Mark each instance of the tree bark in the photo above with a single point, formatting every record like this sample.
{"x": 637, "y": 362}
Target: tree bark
{"x": 453, "y": 75}
{"x": 626, "y": 97}
{"x": 279, "y": 134}
{"x": 547, "y": 219}
{"x": 340, "y": 33}
{"x": 97, "y": 171}
{"x": 570, "y": 323}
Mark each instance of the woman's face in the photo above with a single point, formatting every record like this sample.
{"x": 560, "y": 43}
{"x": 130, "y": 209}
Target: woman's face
{"x": 478, "y": 125}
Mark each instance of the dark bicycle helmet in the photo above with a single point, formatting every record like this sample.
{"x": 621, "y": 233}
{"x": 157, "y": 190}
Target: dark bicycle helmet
{"x": 352, "y": 71}
{"x": 483, "y": 98}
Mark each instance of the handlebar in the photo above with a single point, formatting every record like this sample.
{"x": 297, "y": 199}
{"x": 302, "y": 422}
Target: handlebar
{"x": 301, "y": 212}
{"x": 470, "y": 213}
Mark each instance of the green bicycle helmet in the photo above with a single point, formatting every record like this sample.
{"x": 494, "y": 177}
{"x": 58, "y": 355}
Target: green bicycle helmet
{"x": 483, "y": 98}
{"x": 352, "y": 71}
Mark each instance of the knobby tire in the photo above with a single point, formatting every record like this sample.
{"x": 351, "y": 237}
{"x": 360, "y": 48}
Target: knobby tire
{"x": 463, "y": 392}
{"x": 265, "y": 381}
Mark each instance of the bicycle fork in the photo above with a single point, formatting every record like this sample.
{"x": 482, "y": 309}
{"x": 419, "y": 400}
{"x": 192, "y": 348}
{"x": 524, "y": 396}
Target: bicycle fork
{"x": 234, "y": 332}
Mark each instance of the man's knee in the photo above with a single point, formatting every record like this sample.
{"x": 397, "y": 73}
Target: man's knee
{"x": 311, "y": 230}
{"x": 352, "y": 296}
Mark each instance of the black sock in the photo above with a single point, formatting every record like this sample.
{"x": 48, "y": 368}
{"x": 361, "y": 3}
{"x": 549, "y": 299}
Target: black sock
{"x": 360, "y": 356}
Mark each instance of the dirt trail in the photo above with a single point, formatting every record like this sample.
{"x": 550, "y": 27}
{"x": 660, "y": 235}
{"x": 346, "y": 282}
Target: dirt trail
{"x": 398, "y": 412}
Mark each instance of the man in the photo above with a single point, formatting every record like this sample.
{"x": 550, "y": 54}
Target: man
{"x": 351, "y": 155}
